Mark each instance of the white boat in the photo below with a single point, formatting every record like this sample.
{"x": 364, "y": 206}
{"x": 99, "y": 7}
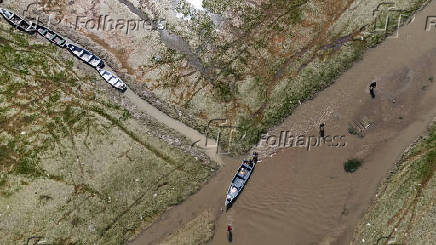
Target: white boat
{"x": 113, "y": 80}
{"x": 52, "y": 36}
{"x": 85, "y": 56}
{"x": 18, "y": 22}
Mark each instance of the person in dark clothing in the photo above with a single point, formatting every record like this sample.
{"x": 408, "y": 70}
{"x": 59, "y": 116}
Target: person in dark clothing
{"x": 321, "y": 130}
{"x": 371, "y": 89}
{"x": 229, "y": 231}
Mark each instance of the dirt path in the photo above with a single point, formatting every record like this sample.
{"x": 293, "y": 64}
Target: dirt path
{"x": 305, "y": 197}
{"x": 180, "y": 127}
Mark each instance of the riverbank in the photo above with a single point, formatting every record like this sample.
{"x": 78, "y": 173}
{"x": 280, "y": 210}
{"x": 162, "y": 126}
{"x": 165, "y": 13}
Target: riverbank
{"x": 78, "y": 163}
{"x": 308, "y": 194}
{"x": 404, "y": 211}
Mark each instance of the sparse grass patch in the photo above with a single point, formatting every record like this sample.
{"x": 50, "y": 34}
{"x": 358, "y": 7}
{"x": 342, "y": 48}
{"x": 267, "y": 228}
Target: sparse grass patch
{"x": 59, "y": 129}
{"x": 197, "y": 231}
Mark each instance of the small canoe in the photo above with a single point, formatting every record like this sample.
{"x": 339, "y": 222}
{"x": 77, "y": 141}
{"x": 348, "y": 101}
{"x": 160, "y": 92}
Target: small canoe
{"x": 52, "y": 36}
{"x": 18, "y": 22}
{"x": 85, "y": 56}
{"x": 240, "y": 179}
{"x": 113, "y": 80}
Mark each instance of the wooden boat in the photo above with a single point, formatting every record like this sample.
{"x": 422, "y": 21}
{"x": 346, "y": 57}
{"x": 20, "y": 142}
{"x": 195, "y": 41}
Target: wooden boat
{"x": 18, "y": 22}
{"x": 85, "y": 56}
{"x": 52, "y": 36}
{"x": 113, "y": 80}
{"x": 240, "y": 179}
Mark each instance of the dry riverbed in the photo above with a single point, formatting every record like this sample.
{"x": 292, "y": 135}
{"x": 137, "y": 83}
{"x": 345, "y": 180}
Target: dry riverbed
{"x": 78, "y": 163}
{"x": 233, "y": 60}
{"x": 239, "y": 61}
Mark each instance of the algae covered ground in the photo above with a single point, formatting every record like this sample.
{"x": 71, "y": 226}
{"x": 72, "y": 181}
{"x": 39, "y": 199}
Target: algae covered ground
{"x": 75, "y": 166}
{"x": 404, "y": 211}
{"x": 248, "y": 63}
{"x": 198, "y": 231}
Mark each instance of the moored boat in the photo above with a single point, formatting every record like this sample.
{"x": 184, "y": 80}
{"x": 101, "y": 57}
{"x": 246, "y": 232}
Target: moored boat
{"x": 85, "y": 56}
{"x": 240, "y": 179}
{"x": 52, "y": 36}
{"x": 18, "y": 22}
{"x": 113, "y": 80}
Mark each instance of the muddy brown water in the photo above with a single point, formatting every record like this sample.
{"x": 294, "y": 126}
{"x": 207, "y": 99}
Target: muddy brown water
{"x": 305, "y": 197}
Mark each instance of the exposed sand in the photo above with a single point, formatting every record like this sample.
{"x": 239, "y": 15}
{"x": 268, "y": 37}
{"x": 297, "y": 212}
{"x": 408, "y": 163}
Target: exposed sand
{"x": 300, "y": 197}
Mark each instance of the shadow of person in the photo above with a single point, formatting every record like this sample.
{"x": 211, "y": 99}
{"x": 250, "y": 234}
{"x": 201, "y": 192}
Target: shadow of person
{"x": 230, "y": 236}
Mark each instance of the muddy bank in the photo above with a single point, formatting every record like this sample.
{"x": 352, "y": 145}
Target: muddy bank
{"x": 404, "y": 211}
{"x": 305, "y": 197}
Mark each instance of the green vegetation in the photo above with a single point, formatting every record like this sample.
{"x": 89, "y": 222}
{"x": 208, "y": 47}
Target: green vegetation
{"x": 352, "y": 131}
{"x": 76, "y": 168}
{"x": 265, "y": 45}
{"x": 351, "y": 166}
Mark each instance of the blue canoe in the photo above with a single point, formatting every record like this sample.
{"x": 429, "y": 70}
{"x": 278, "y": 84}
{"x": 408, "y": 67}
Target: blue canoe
{"x": 241, "y": 177}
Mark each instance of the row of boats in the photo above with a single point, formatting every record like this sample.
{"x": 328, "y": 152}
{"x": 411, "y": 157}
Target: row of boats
{"x": 244, "y": 171}
{"x": 81, "y": 53}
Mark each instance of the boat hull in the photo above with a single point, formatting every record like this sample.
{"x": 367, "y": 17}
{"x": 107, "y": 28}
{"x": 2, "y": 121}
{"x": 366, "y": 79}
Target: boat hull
{"x": 113, "y": 80}
{"x": 85, "y": 55}
{"x": 51, "y": 36}
{"x": 18, "y": 22}
{"x": 240, "y": 180}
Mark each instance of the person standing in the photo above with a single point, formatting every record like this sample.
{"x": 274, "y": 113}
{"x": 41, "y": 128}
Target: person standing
{"x": 321, "y": 130}
{"x": 371, "y": 89}
{"x": 229, "y": 231}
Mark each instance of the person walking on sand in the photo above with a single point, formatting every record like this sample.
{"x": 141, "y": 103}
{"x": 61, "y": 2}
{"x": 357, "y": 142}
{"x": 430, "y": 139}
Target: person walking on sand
{"x": 229, "y": 233}
{"x": 321, "y": 130}
{"x": 371, "y": 89}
